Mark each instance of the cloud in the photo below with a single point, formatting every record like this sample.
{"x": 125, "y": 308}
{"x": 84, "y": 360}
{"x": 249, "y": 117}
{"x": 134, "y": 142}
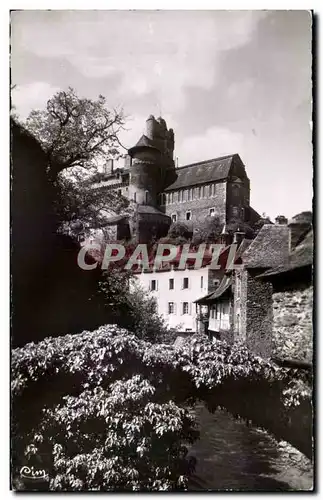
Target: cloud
{"x": 31, "y": 96}
{"x": 215, "y": 142}
{"x": 155, "y": 51}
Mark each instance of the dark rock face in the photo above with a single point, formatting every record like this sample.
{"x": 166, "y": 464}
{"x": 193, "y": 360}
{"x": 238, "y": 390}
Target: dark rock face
{"x": 51, "y": 295}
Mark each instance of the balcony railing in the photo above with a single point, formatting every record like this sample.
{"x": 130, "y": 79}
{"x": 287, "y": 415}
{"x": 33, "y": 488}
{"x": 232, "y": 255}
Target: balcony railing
{"x": 219, "y": 324}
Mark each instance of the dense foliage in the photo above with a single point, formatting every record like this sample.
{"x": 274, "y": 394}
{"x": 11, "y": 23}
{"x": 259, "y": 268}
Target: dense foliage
{"x": 105, "y": 410}
{"x": 133, "y": 307}
{"x": 75, "y": 132}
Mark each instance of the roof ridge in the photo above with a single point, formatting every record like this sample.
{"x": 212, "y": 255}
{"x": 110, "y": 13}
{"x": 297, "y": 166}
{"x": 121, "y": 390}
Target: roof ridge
{"x": 207, "y": 161}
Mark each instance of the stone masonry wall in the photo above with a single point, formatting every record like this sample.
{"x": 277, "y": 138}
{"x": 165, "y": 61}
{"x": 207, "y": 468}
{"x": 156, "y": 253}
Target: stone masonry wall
{"x": 200, "y": 207}
{"x": 292, "y": 327}
{"x": 259, "y": 316}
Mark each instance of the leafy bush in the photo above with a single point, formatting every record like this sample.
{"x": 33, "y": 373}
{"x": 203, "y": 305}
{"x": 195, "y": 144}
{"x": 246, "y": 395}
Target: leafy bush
{"x": 180, "y": 230}
{"x": 133, "y": 307}
{"x": 105, "y": 410}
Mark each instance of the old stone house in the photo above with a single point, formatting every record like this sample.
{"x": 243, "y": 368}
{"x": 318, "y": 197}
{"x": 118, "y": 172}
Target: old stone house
{"x": 292, "y": 285}
{"x": 250, "y": 303}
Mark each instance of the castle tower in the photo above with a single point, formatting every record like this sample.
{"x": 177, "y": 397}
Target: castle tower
{"x": 151, "y": 171}
{"x": 152, "y": 157}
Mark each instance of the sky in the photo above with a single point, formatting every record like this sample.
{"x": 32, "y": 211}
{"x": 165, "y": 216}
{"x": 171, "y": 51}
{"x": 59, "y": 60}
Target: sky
{"x": 226, "y": 81}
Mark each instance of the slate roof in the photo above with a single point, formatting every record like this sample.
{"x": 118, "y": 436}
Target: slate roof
{"x": 223, "y": 288}
{"x": 116, "y": 219}
{"x": 147, "y": 209}
{"x": 242, "y": 248}
{"x": 269, "y": 249}
{"x": 301, "y": 256}
{"x": 144, "y": 142}
{"x": 303, "y": 217}
{"x": 202, "y": 172}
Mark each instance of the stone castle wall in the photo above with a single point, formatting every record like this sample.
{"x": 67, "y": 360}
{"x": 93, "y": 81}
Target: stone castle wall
{"x": 198, "y": 204}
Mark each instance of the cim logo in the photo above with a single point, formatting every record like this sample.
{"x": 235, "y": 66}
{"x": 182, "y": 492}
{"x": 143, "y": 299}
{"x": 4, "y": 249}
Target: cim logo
{"x": 31, "y": 473}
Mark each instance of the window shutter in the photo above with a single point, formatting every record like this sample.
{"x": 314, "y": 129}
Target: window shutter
{"x": 182, "y": 308}
{"x": 175, "y": 308}
{"x": 190, "y": 308}
{"x": 156, "y": 285}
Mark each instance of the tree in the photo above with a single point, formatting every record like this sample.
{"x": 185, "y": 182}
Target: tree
{"x": 132, "y": 307}
{"x": 208, "y": 231}
{"x": 235, "y": 225}
{"x": 77, "y": 135}
{"x": 76, "y": 132}
{"x": 179, "y": 230}
{"x": 82, "y": 206}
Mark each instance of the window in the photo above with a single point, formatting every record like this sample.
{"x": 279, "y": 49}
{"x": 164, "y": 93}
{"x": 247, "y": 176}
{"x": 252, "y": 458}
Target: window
{"x": 201, "y": 281}
{"x": 188, "y": 195}
{"x": 174, "y": 217}
{"x": 185, "y": 307}
{"x": 213, "y": 189}
{"x": 171, "y": 308}
{"x": 134, "y": 196}
{"x": 235, "y": 212}
{"x": 188, "y": 215}
{"x": 212, "y": 312}
{"x": 199, "y": 192}
{"x": 153, "y": 285}
{"x": 210, "y": 189}
{"x": 212, "y": 212}
{"x": 171, "y": 284}
{"x": 172, "y": 197}
{"x": 146, "y": 197}
{"x": 238, "y": 287}
{"x": 185, "y": 282}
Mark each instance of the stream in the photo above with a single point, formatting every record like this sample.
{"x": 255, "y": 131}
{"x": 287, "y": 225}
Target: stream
{"x": 232, "y": 456}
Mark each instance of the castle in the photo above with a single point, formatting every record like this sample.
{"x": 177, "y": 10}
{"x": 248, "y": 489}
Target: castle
{"x": 227, "y": 305}
{"x": 163, "y": 194}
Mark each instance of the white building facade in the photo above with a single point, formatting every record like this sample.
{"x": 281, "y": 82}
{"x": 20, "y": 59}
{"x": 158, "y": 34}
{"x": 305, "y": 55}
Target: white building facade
{"x": 176, "y": 292}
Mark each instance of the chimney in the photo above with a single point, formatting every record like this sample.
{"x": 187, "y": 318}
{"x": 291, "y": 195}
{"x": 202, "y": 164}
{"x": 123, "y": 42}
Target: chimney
{"x": 238, "y": 236}
{"x": 298, "y": 227}
{"x": 109, "y": 167}
{"x": 224, "y": 237}
{"x": 127, "y": 161}
{"x": 281, "y": 220}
